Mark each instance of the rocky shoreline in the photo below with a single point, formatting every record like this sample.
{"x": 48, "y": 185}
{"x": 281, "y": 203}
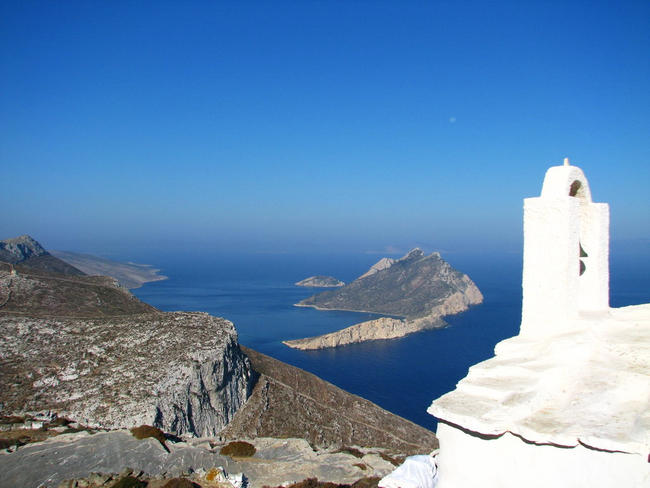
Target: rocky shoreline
{"x": 371, "y": 330}
{"x": 320, "y": 281}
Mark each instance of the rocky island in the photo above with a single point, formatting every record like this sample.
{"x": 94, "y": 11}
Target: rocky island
{"x": 320, "y": 281}
{"x": 416, "y": 291}
{"x": 80, "y": 354}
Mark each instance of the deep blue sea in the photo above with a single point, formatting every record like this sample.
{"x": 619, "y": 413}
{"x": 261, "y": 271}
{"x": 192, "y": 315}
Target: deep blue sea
{"x": 256, "y": 292}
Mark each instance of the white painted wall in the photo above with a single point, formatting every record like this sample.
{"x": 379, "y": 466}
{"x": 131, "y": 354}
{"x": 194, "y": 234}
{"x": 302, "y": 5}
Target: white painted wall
{"x": 556, "y": 224}
{"x": 468, "y": 461}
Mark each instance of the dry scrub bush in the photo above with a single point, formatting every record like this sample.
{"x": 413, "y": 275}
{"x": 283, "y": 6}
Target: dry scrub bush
{"x": 238, "y": 449}
{"x": 145, "y": 431}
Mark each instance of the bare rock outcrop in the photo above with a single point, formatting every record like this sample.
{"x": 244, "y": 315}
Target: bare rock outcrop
{"x": 94, "y": 457}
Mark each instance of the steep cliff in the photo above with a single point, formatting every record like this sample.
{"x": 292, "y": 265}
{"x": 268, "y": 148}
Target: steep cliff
{"x": 182, "y": 372}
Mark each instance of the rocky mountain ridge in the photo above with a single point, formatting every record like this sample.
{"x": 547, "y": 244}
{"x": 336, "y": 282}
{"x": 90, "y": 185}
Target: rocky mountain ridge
{"x": 25, "y": 252}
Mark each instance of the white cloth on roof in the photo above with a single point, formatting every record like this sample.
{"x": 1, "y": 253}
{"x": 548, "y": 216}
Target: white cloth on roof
{"x": 416, "y": 472}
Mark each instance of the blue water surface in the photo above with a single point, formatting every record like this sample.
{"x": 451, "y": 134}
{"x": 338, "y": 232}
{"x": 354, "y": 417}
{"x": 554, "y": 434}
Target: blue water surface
{"x": 257, "y": 293}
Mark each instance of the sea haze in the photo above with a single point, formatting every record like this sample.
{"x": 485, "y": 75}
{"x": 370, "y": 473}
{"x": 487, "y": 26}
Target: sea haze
{"x": 257, "y": 293}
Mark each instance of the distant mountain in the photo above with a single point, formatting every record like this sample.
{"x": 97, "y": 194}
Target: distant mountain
{"x": 25, "y": 252}
{"x": 410, "y": 287}
{"x": 39, "y": 293}
{"x": 320, "y": 281}
{"x": 129, "y": 275}
{"x": 421, "y": 289}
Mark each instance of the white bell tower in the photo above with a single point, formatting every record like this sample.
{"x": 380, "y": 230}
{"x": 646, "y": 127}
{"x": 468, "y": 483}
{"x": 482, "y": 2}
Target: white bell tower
{"x": 566, "y": 253}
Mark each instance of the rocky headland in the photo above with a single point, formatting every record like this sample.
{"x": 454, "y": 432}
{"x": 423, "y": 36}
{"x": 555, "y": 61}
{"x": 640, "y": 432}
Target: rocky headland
{"x": 82, "y": 351}
{"x": 320, "y": 281}
{"x": 129, "y": 275}
{"x": 416, "y": 291}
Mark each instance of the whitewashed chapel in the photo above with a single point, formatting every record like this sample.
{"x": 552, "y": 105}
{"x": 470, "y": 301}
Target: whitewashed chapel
{"x": 565, "y": 403}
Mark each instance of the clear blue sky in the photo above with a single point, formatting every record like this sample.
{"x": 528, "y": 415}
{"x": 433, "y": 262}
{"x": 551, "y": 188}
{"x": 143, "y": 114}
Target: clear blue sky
{"x": 315, "y": 125}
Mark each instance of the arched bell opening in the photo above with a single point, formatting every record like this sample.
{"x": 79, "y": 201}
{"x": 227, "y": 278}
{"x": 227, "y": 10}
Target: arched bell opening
{"x": 577, "y": 189}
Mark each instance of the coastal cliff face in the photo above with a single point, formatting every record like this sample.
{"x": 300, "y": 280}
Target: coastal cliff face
{"x": 126, "y": 371}
{"x": 422, "y": 289}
